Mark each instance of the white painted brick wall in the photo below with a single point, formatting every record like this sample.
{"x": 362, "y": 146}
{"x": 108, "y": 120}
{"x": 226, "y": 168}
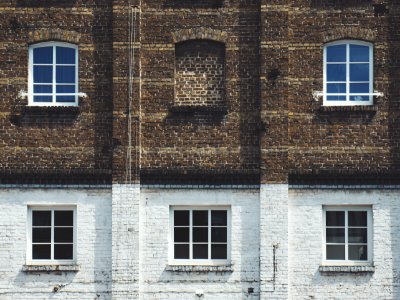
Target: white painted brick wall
{"x": 93, "y": 281}
{"x": 305, "y": 246}
{"x": 158, "y": 283}
{"x": 274, "y": 231}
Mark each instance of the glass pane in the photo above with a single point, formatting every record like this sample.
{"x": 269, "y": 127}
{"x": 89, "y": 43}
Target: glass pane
{"x": 218, "y": 251}
{"x": 339, "y": 88}
{"x": 359, "y": 88}
{"x": 336, "y": 53}
{"x": 41, "y": 252}
{"x": 335, "y": 252}
{"x": 65, "y": 55}
{"x": 200, "y": 251}
{"x": 336, "y": 98}
{"x": 335, "y": 218}
{"x": 63, "y": 218}
{"x": 181, "y": 251}
{"x": 358, "y": 218}
{"x": 42, "y": 74}
{"x": 65, "y": 74}
{"x": 218, "y": 234}
{"x": 359, "y": 72}
{"x": 181, "y": 218}
{"x": 65, "y": 98}
{"x": 41, "y": 235}
{"x": 43, "y": 55}
{"x": 63, "y": 251}
{"x": 181, "y": 235}
{"x": 65, "y": 89}
{"x": 218, "y": 218}
{"x": 358, "y": 252}
{"x": 42, "y": 99}
{"x": 335, "y": 235}
{"x": 42, "y": 89}
{"x": 200, "y": 218}
{"x": 359, "y": 53}
{"x": 336, "y": 72}
{"x": 359, "y": 98}
{"x": 358, "y": 235}
{"x": 63, "y": 235}
{"x": 200, "y": 234}
{"x": 41, "y": 218}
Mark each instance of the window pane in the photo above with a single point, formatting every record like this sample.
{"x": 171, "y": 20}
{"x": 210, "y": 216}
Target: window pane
{"x": 181, "y": 251}
{"x": 43, "y": 55}
{"x": 337, "y": 88}
{"x": 359, "y": 88}
{"x": 336, "y": 98}
{"x": 63, "y": 251}
{"x": 42, "y": 74}
{"x": 335, "y": 235}
{"x": 218, "y": 251}
{"x": 359, "y": 53}
{"x": 181, "y": 235}
{"x": 335, "y": 252}
{"x": 335, "y": 218}
{"x": 359, "y": 98}
{"x": 65, "y": 55}
{"x": 42, "y": 99}
{"x": 200, "y": 218}
{"x": 65, "y": 74}
{"x": 63, "y": 218}
{"x": 358, "y": 235}
{"x": 41, "y": 252}
{"x": 41, "y": 235}
{"x": 219, "y": 218}
{"x": 41, "y": 218}
{"x": 63, "y": 235}
{"x": 336, "y": 72}
{"x": 359, "y": 72}
{"x": 65, "y": 89}
{"x": 200, "y": 251}
{"x": 358, "y": 218}
{"x": 200, "y": 234}
{"x": 336, "y": 53}
{"x": 181, "y": 218}
{"x": 65, "y": 98}
{"x": 358, "y": 252}
{"x": 42, "y": 89}
{"x": 218, "y": 234}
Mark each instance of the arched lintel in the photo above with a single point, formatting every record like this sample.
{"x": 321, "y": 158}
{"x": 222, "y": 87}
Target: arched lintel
{"x": 199, "y": 33}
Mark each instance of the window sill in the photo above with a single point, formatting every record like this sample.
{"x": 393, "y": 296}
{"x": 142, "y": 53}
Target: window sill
{"x": 347, "y": 269}
{"x": 39, "y": 108}
{"x": 355, "y": 108}
{"x": 50, "y": 268}
{"x": 218, "y": 269}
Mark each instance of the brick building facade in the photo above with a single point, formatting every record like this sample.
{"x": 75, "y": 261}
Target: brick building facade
{"x": 209, "y": 149}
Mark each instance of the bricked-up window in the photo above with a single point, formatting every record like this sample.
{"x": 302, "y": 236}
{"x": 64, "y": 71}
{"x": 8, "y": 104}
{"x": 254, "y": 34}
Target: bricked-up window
{"x": 348, "y": 73}
{"x": 51, "y": 236}
{"x": 200, "y": 236}
{"x": 348, "y": 235}
{"x": 200, "y": 73}
{"x": 53, "y": 74}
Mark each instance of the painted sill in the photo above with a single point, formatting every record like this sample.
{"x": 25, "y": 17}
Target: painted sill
{"x": 349, "y": 108}
{"x": 346, "y": 269}
{"x": 219, "y": 269}
{"x": 50, "y": 268}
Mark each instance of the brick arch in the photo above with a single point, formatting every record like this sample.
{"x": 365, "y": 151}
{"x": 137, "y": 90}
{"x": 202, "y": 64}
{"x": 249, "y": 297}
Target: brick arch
{"x": 354, "y": 33}
{"x": 46, "y": 34}
{"x": 199, "y": 33}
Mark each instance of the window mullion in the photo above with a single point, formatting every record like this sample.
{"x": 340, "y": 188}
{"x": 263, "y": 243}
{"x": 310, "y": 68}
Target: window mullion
{"x": 54, "y": 75}
{"x": 346, "y": 230}
{"x": 347, "y": 72}
{"x": 52, "y": 235}
{"x": 191, "y": 234}
{"x": 209, "y": 234}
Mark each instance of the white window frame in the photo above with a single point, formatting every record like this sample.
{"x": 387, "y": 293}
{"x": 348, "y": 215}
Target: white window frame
{"x": 349, "y": 102}
{"x": 199, "y": 262}
{"x": 52, "y": 261}
{"x": 54, "y": 94}
{"x": 347, "y": 262}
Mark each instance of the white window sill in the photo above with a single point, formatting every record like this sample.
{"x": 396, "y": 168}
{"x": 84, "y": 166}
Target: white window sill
{"x": 50, "y": 268}
{"x": 184, "y": 268}
{"x": 346, "y": 269}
